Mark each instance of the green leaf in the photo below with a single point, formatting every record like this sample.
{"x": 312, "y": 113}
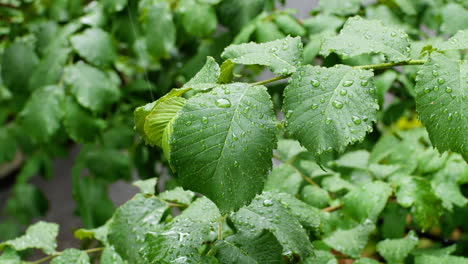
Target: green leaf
{"x": 289, "y": 25}
{"x": 417, "y": 193}
{"x": 96, "y": 46}
{"x": 442, "y": 100}
{"x": 236, "y": 14}
{"x": 107, "y": 163}
{"x": 10, "y": 256}
{"x": 354, "y": 159}
{"x": 160, "y": 31}
{"x": 181, "y": 239}
{"x": 329, "y": 108}
{"x": 50, "y": 68}
{"x": 93, "y": 204}
{"x": 41, "y": 235}
{"x": 242, "y": 248}
{"x": 177, "y": 195}
{"x": 339, "y": 7}
{"x": 351, "y": 241}
{"x": 360, "y": 36}
{"x": 18, "y": 63}
{"x": 282, "y": 56}
{"x": 7, "y": 145}
{"x": 144, "y": 213}
{"x": 110, "y": 256}
{"x": 407, "y": 6}
{"x": 315, "y": 196}
{"x": 284, "y": 178}
{"x": 197, "y": 18}
{"x": 267, "y": 213}
{"x": 92, "y": 88}
{"x": 43, "y": 113}
{"x": 428, "y": 259}
{"x": 394, "y": 221}
{"x": 367, "y": 201}
{"x": 207, "y": 77}
{"x": 267, "y": 30}
{"x": 366, "y": 261}
{"x": 458, "y": 41}
{"x": 112, "y": 6}
{"x": 71, "y": 255}
{"x": 322, "y": 23}
{"x": 321, "y": 257}
{"x": 146, "y": 186}
{"x": 226, "y": 72}
{"x": 396, "y": 250}
{"x": 454, "y": 17}
{"x": 80, "y": 125}
{"x": 209, "y": 143}
{"x": 26, "y": 202}
{"x": 288, "y": 149}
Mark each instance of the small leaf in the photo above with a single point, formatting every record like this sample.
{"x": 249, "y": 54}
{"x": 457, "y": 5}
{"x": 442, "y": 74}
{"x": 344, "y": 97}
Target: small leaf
{"x": 289, "y": 25}
{"x": 441, "y": 102}
{"x": 197, "y": 18}
{"x": 26, "y": 202}
{"x": 41, "y": 235}
{"x": 227, "y": 72}
{"x": 207, "y": 76}
{"x": 339, "y": 7}
{"x": 458, "y": 41}
{"x": 367, "y": 201}
{"x": 351, "y": 241}
{"x": 282, "y": 56}
{"x": 71, "y": 255}
{"x": 18, "y": 63}
{"x": 177, "y": 195}
{"x": 106, "y": 163}
{"x": 267, "y": 213}
{"x": 207, "y": 143}
{"x": 7, "y": 145}
{"x": 50, "y": 68}
{"x": 242, "y": 248}
{"x": 110, "y": 256}
{"x": 396, "y": 250}
{"x": 43, "y": 113}
{"x": 284, "y": 178}
{"x": 144, "y": 214}
{"x": 96, "y": 46}
{"x": 454, "y": 17}
{"x": 329, "y": 108}
{"x": 80, "y": 125}
{"x": 10, "y": 256}
{"x": 428, "y": 259}
{"x": 91, "y": 87}
{"x": 146, "y": 186}
{"x": 181, "y": 239}
{"x": 360, "y": 36}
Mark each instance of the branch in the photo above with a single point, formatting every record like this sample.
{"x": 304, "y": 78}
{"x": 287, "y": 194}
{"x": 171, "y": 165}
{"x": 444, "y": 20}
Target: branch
{"x": 332, "y": 208}
{"x": 60, "y": 253}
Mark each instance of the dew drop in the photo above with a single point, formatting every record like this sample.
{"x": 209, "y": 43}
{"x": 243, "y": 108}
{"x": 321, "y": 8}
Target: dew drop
{"x": 436, "y": 88}
{"x": 314, "y": 106}
{"x": 348, "y": 83}
{"x": 328, "y": 121}
{"x": 356, "y": 120}
{"x": 337, "y": 104}
{"x": 267, "y": 202}
{"x": 315, "y": 83}
{"x": 441, "y": 80}
{"x": 188, "y": 123}
{"x": 435, "y": 73}
{"x": 343, "y": 92}
{"x": 205, "y": 120}
{"x": 364, "y": 82}
{"x": 448, "y": 89}
{"x": 223, "y": 102}
{"x": 427, "y": 90}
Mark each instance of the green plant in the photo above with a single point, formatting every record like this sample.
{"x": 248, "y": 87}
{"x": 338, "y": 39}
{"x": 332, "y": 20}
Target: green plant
{"x": 355, "y": 176}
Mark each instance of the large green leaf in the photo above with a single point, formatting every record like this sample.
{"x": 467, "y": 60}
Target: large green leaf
{"x": 41, "y": 235}
{"x": 10, "y": 256}
{"x": 180, "y": 240}
{"x": 360, "y": 36}
{"x": 18, "y": 63}
{"x": 96, "y": 46}
{"x": 367, "y": 201}
{"x": 160, "y": 31}
{"x": 198, "y": 19}
{"x": 144, "y": 214}
{"x": 43, "y": 113}
{"x": 50, "y": 68}
{"x": 442, "y": 100}
{"x": 282, "y": 56}
{"x": 110, "y": 256}
{"x": 80, "y": 125}
{"x": 71, "y": 255}
{"x": 396, "y": 250}
{"x": 268, "y": 213}
{"x": 242, "y": 248}
{"x": 92, "y": 88}
{"x": 351, "y": 241}
{"x": 417, "y": 193}
{"x": 223, "y": 143}
{"x": 458, "y": 41}
{"x": 329, "y": 108}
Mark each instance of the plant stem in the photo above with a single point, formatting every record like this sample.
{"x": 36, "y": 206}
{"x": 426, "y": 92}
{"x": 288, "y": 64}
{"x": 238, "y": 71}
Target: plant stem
{"x": 380, "y": 66}
{"x": 60, "y": 253}
{"x": 220, "y": 227}
{"x": 390, "y": 65}
{"x": 332, "y": 208}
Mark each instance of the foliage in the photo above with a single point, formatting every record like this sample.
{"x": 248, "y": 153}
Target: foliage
{"x": 332, "y": 164}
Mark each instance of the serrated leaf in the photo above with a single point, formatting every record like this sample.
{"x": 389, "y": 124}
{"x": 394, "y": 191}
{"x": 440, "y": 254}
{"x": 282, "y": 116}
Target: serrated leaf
{"x": 43, "y": 112}
{"x": 417, "y": 193}
{"x": 146, "y": 186}
{"x": 282, "y": 56}
{"x": 96, "y": 46}
{"x": 91, "y": 87}
{"x": 284, "y": 178}
{"x": 207, "y": 143}
{"x": 454, "y": 18}
{"x": 144, "y": 213}
{"x": 367, "y": 201}
{"x": 329, "y": 108}
{"x": 80, "y": 125}
{"x": 267, "y": 213}
{"x": 207, "y": 77}
{"x": 428, "y": 259}
{"x": 351, "y": 241}
{"x": 442, "y": 100}
{"x": 360, "y": 36}
{"x": 458, "y": 41}
{"x": 181, "y": 239}
{"x": 99, "y": 233}
{"x": 177, "y": 195}
{"x": 322, "y": 23}
{"x": 355, "y": 159}
{"x": 18, "y": 63}
{"x": 197, "y": 18}
{"x": 288, "y": 149}
{"x": 242, "y": 248}
{"x": 160, "y": 31}
{"x": 396, "y": 250}
{"x": 71, "y": 255}
{"x": 394, "y": 221}
{"x": 40, "y": 235}
{"x": 289, "y": 25}
{"x": 339, "y": 7}
{"x": 50, "y": 68}
{"x": 267, "y": 30}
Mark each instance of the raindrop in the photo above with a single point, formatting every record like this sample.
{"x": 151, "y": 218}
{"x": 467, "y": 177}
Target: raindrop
{"x": 188, "y": 123}
{"x": 436, "y": 88}
{"x": 267, "y": 202}
{"x": 315, "y": 83}
{"x": 427, "y": 90}
{"x": 223, "y": 102}
{"x": 236, "y": 163}
{"x": 343, "y": 92}
{"x": 348, "y": 83}
{"x": 364, "y": 82}
{"x": 448, "y": 89}
{"x": 328, "y": 121}
{"x": 435, "y": 73}
{"x": 314, "y": 106}
{"x": 441, "y": 80}
{"x": 356, "y": 120}
{"x": 337, "y": 104}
